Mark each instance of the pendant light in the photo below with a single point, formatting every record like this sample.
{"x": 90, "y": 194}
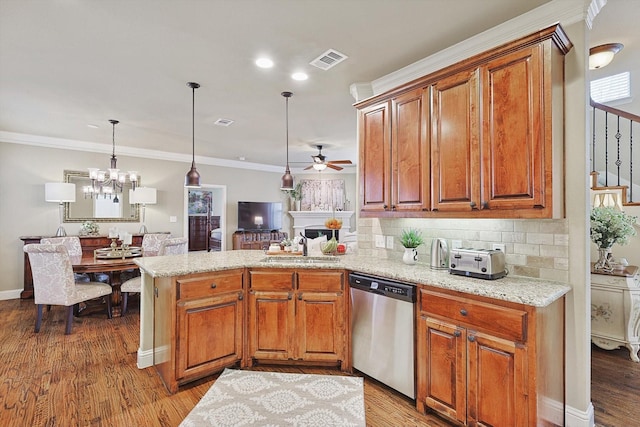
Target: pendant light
{"x": 287, "y": 178}
{"x": 193, "y": 177}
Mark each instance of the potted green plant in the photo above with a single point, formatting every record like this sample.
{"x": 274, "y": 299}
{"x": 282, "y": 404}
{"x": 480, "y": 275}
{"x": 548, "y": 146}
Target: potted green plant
{"x": 411, "y": 238}
{"x": 296, "y": 196}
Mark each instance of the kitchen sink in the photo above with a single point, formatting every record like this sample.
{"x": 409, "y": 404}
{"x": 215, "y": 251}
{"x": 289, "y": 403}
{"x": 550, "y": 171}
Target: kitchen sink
{"x": 300, "y": 259}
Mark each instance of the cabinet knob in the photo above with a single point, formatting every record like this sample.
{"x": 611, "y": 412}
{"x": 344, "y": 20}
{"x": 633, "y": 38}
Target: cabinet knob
{"x": 213, "y": 286}
{"x": 463, "y": 312}
{"x": 385, "y": 207}
{"x": 393, "y": 207}
{"x": 289, "y": 296}
{"x": 473, "y": 205}
{"x": 472, "y": 338}
{"x": 457, "y": 333}
{"x": 485, "y": 205}
{"x": 300, "y": 296}
{"x": 240, "y": 296}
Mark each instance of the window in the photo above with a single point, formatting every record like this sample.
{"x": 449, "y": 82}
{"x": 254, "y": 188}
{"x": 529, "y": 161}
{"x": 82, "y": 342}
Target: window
{"x": 611, "y": 88}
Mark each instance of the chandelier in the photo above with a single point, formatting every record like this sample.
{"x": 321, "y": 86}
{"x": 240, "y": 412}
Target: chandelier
{"x": 109, "y": 183}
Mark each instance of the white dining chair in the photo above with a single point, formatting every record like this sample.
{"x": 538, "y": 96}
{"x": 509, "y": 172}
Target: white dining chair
{"x": 74, "y": 247}
{"x": 54, "y": 283}
{"x": 171, "y": 246}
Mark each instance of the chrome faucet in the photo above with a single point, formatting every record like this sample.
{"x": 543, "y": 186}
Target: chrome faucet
{"x": 303, "y": 240}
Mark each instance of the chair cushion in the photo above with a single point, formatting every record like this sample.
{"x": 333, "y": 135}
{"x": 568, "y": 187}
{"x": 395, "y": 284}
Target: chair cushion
{"x": 132, "y": 285}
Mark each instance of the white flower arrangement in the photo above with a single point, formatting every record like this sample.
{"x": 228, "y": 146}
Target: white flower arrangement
{"x": 609, "y": 226}
{"x": 89, "y": 228}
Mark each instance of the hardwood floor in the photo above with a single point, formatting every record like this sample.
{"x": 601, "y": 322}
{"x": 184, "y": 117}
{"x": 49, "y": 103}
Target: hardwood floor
{"x": 615, "y": 388}
{"x": 90, "y": 378}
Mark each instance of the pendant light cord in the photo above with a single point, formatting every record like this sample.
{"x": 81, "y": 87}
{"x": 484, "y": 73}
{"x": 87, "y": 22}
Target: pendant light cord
{"x": 193, "y": 124}
{"x": 287, "y": 127}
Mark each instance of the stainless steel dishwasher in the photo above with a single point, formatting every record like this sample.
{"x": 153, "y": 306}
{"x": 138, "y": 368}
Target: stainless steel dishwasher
{"x": 382, "y": 329}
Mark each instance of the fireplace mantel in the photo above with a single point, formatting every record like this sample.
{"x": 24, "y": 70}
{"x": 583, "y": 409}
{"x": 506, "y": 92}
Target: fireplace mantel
{"x": 316, "y": 219}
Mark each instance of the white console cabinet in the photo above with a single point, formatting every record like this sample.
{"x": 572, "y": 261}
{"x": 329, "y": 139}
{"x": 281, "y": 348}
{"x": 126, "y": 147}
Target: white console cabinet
{"x": 615, "y": 310}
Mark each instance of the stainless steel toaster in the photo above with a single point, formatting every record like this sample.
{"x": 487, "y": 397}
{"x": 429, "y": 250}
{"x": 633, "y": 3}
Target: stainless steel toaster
{"x": 480, "y": 263}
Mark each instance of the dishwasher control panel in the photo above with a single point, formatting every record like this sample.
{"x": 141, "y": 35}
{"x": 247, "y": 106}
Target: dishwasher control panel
{"x": 386, "y": 287}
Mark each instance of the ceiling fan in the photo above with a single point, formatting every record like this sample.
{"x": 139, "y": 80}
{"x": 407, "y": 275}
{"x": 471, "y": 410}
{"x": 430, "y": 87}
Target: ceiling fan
{"x": 320, "y": 162}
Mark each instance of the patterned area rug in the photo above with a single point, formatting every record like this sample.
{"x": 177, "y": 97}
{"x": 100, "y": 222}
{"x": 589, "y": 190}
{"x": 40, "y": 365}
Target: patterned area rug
{"x": 240, "y": 398}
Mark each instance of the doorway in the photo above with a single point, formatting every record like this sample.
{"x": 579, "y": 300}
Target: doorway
{"x": 205, "y": 213}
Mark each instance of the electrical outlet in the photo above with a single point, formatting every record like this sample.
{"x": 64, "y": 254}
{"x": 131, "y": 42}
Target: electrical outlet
{"x": 389, "y": 242}
{"x": 173, "y": 219}
{"x": 499, "y": 247}
{"x": 379, "y": 241}
{"x": 456, "y": 244}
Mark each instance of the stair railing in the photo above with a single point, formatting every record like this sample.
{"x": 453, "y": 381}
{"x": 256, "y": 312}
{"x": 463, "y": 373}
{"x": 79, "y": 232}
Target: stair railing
{"x": 603, "y": 148}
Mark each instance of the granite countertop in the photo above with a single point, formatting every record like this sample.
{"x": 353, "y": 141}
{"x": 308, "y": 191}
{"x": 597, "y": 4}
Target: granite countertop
{"x": 524, "y": 290}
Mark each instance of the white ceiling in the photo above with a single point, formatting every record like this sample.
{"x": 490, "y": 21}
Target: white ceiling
{"x": 65, "y": 64}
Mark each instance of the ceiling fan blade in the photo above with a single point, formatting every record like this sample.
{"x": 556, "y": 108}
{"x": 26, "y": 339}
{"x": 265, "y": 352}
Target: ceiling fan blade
{"x": 340, "y": 162}
{"x": 308, "y": 167}
{"x": 338, "y": 168}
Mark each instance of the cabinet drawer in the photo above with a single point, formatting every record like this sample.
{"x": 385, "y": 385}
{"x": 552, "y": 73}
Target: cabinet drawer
{"x": 321, "y": 281}
{"x": 271, "y": 280}
{"x": 204, "y": 286}
{"x": 500, "y": 321}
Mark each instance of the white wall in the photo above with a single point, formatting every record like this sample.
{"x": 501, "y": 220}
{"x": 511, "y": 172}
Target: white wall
{"x": 24, "y": 169}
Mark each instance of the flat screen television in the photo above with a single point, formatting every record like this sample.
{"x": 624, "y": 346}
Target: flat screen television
{"x": 259, "y": 216}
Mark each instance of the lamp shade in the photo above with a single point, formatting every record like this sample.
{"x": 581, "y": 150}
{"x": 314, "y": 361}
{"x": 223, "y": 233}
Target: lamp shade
{"x": 59, "y": 192}
{"x": 143, "y": 195}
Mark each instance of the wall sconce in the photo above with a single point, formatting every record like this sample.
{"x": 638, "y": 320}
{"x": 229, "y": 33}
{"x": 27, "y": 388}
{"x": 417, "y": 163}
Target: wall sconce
{"x": 60, "y": 192}
{"x": 601, "y": 56}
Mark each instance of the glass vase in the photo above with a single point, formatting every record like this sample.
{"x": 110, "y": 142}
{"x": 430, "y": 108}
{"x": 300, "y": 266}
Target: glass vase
{"x": 604, "y": 260}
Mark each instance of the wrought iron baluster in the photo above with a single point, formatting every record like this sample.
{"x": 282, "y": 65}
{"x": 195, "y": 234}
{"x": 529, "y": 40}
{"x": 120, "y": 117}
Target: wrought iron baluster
{"x": 618, "y": 162}
{"x": 630, "y": 161}
{"x": 606, "y": 148}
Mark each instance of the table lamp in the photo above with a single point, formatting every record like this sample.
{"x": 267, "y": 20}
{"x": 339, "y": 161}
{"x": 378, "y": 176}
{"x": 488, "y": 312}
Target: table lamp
{"x": 60, "y": 192}
{"x": 144, "y": 196}
{"x": 257, "y": 220}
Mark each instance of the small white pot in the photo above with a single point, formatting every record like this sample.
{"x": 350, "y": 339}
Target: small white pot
{"x": 410, "y": 256}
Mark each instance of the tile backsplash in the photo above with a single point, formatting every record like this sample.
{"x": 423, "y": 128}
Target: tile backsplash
{"x": 533, "y": 248}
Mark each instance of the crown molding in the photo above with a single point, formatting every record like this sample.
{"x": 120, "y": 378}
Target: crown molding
{"x": 565, "y": 12}
{"x": 92, "y": 147}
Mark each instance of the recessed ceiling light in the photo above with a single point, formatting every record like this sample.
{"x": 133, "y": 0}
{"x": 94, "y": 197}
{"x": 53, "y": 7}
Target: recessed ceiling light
{"x": 264, "y": 63}
{"x": 223, "y": 122}
{"x": 299, "y": 76}
{"x": 93, "y": 126}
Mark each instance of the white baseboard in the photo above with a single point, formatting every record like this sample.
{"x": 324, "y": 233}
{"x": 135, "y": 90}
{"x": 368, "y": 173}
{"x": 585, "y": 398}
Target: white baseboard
{"x": 576, "y": 418}
{"x": 12, "y": 294}
{"x": 145, "y": 358}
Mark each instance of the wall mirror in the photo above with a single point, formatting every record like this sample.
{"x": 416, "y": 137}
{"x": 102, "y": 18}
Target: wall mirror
{"x": 98, "y": 209}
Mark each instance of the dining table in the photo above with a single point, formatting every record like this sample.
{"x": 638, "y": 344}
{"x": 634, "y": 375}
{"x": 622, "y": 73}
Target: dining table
{"x": 115, "y": 268}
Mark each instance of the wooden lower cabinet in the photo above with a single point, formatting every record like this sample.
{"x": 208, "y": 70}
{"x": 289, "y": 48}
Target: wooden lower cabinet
{"x": 482, "y": 362}
{"x": 297, "y": 315}
{"x": 203, "y": 330}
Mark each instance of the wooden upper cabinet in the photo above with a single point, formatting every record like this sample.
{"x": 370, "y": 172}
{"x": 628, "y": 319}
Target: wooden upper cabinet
{"x": 410, "y": 151}
{"x": 482, "y": 138}
{"x": 514, "y": 159}
{"x": 374, "y": 157}
{"x": 455, "y": 179}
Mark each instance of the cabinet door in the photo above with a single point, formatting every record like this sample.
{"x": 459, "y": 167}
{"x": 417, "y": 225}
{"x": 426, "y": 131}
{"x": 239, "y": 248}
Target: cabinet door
{"x": 497, "y": 381}
{"x": 442, "y": 373}
{"x": 455, "y": 155}
{"x": 513, "y": 155}
{"x": 209, "y": 334}
{"x": 320, "y": 326}
{"x": 409, "y": 151}
{"x": 271, "y": 325}
{"x": 375, "y": 154}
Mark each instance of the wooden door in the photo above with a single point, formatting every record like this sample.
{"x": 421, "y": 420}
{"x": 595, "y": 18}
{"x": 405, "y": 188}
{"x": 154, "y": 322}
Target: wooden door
{"x": 375, "y": 167}
{"x": 455, "y": 155}
{"x": 198, "y": 233}
{"x": 443, "y": 369}
{"x": 513, "y": 154}
{"x": 320, "y": 326}
{"x": 209, "y": 334}
{"x": 497, "y": 381}
{"x": 271, "y": 325}
{"x": 410, "y": 155}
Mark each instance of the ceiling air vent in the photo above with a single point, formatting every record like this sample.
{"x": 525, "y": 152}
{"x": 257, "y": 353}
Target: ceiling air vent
{"x": 328, "y": 59}
{"x": 223, "y": 122}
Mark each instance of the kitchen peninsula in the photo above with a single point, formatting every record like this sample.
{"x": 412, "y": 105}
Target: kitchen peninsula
{"x": 513, "y": 325}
